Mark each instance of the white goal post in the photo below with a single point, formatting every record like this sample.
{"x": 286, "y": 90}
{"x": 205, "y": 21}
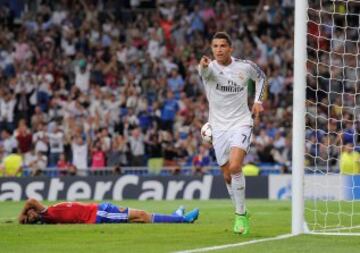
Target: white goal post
{"x": 298, "y": 145}
{"x": 326, "y": 118}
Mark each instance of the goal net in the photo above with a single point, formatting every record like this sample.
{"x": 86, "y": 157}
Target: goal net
{"x": 332, "y": 117}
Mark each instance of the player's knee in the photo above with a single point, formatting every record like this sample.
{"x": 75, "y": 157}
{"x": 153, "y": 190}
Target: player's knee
{"x": 143, "y": 216}
{"x": 227, "y": 178}
{"x": 235, "y": 168}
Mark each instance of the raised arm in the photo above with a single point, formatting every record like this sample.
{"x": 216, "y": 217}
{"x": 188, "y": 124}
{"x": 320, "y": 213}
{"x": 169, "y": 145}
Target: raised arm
{"x": 84, "y": 5}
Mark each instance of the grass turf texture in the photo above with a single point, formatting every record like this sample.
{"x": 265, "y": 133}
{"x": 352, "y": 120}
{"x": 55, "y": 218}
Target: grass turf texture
{"x": 269, "y": 218}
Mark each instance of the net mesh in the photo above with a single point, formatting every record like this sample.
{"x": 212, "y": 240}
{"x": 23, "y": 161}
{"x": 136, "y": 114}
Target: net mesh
{"x": 332, "y": 186}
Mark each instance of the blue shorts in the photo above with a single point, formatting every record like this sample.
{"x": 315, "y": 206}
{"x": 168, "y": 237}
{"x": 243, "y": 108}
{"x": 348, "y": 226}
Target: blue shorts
{"x": 109, "y": 213}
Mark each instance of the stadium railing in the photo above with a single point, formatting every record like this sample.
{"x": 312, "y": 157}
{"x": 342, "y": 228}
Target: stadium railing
{"x": 265, "y": 169}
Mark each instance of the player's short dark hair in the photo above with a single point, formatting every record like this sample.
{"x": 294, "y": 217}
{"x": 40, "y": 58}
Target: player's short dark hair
{"x": 222, "y": 35}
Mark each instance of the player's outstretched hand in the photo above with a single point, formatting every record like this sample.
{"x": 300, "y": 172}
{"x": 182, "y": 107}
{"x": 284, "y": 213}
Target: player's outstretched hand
{"x": 256, "y": 110}
{"x": 205, "y": 61}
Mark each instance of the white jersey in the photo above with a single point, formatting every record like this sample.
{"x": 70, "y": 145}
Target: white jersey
{"x": 226, "y": 91}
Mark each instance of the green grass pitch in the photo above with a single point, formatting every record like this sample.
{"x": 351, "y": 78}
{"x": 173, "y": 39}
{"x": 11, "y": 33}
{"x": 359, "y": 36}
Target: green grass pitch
{"x": 214, "y": 227}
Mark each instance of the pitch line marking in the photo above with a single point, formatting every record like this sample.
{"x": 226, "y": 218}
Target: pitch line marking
{"x": 233, "y": 245}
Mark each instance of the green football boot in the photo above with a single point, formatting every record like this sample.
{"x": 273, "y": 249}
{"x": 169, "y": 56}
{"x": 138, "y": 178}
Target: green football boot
{"x": 242, "y": 225}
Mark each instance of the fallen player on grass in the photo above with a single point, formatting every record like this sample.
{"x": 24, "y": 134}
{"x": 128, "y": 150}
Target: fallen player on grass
{"x": 76, "y": 213}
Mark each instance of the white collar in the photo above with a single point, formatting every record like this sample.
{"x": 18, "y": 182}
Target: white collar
{"x": 222, "y": 66}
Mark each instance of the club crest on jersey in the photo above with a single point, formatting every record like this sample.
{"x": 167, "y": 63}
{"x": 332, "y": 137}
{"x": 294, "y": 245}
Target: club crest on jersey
{"x": 232, "y": 83}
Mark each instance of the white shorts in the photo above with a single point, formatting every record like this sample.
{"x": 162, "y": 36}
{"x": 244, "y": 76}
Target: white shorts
{"x": 224, "y": 140}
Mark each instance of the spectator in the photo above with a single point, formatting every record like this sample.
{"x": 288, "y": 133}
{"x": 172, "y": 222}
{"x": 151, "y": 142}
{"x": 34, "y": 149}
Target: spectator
{"x": 117, "y": 154}
{"x": 168, "y": 112}
{"x": 201, "y": 161}
{"x": 79, "y": 149}
{"x": 37, "y": 163}
{"x": 137, "y": 148}
{"x": 40, "y": 140}
{"x": 38, "y": 117}
{"x": 82, "y": 76}
{"x": 175, "y": 83}
{"x": 56, "y": 143}
{"x": 284, "y": 155}
{"x": 349, "y": 160}
{"x": 44, "y": 92}
{"x": 63, "y": 165}
{"x": 117, "y": 171}
{"x": 263, "y": 139}
{"x": 98, "y": 160}
{"x": 7, "y": 109}
{"x": 23, "y": 91}
{"x": 153, "y": 144}
{"x": 279, "y": 141}
{"x": 24, "y": 138}
{"x": 9, "y": 142}
{"x": 168, "y": 149}
{"x": 277, "y": 86}
{"x": 72, "y": 170}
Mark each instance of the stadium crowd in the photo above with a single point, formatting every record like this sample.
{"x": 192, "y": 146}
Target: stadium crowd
{"x": 94, "y": 84}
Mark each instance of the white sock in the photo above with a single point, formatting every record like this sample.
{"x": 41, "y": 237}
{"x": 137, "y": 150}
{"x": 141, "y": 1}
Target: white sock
{"x": 238, "y": 189}
{"x": 228, "y": 186}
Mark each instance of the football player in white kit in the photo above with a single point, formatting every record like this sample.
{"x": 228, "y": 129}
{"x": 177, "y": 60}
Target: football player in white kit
{"x": 225, "y": 80}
